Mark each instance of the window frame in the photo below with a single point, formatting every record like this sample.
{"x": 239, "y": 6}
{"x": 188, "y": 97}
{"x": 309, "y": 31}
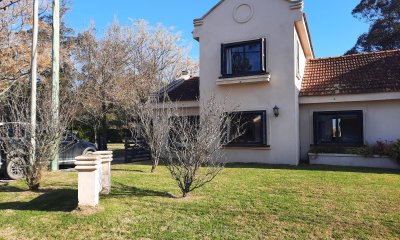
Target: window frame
{"x": 358, "y": 113}
{"x": 263, "y": 57}
{"x": 264, "y": 142}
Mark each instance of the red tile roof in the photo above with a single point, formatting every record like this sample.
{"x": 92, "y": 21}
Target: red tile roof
{"x": 184, "y": 90}
{"x": 352, "y": 74}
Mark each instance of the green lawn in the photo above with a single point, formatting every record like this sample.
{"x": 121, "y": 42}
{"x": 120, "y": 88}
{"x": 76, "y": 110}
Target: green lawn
{"x": 118, "y": 149}
{"x": 244, "y": 202}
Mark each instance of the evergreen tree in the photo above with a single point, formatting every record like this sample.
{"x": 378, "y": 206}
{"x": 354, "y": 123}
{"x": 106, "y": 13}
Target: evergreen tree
{"x": 384, "y": 32}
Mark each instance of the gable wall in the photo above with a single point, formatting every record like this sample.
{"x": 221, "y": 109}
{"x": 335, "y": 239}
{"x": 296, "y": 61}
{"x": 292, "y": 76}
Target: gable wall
{"x": 274, "y": 20}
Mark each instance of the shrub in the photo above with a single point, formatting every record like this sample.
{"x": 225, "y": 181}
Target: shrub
{"x": 394, "y": 150}
{"x": 381, "y": 148}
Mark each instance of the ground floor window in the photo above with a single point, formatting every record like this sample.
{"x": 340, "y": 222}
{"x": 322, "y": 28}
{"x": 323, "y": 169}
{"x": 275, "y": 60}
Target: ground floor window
{"x": 247, "y": 129}
{"x": 338, "y": 127}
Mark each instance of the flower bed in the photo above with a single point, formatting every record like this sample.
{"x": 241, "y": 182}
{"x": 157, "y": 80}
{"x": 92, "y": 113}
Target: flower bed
{"x": 353, "y": 160}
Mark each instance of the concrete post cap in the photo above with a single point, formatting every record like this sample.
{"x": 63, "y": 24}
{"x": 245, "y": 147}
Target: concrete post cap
{"x": 87, "y": 163}
{"x": 105, "y": 160}
{"x": 104, "y": 156}
{"x": 87, "y": 158}
{"x": 102, "y": 153}
{"x": 86, "y": 168}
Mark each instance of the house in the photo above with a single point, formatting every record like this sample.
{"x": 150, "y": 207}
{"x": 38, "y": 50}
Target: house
{"x": 259, "y": 55}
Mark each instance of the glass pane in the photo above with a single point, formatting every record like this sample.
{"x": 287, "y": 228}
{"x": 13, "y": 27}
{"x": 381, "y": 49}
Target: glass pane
{"x": 334, "y": 128}
{"x": 351, "y": 128}
{"x": 239, "y": 63}
{"x": 254, "y": 61}
{"x": 237, "y": 49}
{"x": 253, "y": 47}
{"x": 243, "y": 58}
{"x": 251, "y": 129}
{"x": 339, "y": 127}
{"x": 325, "y": 128}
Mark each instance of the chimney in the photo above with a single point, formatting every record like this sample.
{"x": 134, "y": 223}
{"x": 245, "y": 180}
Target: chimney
{"x": 185, "y": 75}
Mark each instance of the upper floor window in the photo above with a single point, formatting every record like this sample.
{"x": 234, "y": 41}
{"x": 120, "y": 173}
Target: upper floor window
{"x": 243, "y": 58}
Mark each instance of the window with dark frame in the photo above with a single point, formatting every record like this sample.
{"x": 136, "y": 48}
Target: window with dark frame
{"x": 247, "y": 129}
{"x": 338, "y": 127}
{"x": 243, "y": 58}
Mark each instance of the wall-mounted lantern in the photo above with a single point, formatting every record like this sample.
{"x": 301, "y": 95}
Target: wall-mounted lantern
{"x": 276, "y": 111}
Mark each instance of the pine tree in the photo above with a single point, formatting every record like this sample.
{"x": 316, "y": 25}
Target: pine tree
{"x": 384, "y": 32}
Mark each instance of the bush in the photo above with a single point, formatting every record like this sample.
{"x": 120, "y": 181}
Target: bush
{"x": 381, "y": 148}
{"x": 394, "y": 150}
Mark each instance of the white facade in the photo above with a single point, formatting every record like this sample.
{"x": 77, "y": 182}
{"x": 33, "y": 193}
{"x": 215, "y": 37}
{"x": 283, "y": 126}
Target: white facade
{"x": 275, "y": 21}
{"x": 283, "y": 27}
{"x": 381, "y": 120}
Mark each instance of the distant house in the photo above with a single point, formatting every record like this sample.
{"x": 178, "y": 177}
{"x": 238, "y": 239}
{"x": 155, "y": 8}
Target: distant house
{"x": 259, "y": 54}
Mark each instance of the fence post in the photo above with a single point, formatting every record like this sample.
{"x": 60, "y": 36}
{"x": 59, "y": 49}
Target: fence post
{"x": 88, "y": 167}
{"x": 106, "y": 158}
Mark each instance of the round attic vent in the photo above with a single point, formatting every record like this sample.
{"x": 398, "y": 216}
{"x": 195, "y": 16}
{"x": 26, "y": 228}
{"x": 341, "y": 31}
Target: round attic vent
{"x": 243, "y": 13}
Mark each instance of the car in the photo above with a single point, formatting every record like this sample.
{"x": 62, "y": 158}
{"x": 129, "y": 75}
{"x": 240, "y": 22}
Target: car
{"x": 72, "y": 146}
{"x": 10, "y": 164}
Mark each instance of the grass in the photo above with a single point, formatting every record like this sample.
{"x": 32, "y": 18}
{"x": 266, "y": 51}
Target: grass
{"x": 244, "y": 202}
{"x": 118, "y": 149}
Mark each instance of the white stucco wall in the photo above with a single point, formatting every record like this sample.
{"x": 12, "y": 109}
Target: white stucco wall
{"x": 381, "y": 120}
{"x": 273, "y": 20}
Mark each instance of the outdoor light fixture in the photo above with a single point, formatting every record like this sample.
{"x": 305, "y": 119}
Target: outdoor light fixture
{"x": 276, "y": 111}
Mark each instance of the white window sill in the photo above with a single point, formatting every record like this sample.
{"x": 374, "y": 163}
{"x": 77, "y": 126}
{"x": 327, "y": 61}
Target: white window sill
{"x": 245, "y": 79}
{"x": 248, "y": 148}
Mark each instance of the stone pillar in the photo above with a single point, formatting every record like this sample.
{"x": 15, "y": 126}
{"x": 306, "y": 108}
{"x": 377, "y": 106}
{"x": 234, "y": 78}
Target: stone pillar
{"x": 88, "y": 167}
{"x": 106, "y": 158}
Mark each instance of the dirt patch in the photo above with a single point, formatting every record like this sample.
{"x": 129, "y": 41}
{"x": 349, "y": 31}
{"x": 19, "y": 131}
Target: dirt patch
{"x": 87, "y": 211}
{"x": 10, "y": 233}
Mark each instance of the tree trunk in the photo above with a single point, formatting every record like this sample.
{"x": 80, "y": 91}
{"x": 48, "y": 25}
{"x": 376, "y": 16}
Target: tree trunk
{"x": 185, "y": 194}
{"x": 154, "y": 165}
{"x": 104, "y": 127}
{"x": 96, "y": 138}
{"x": 34, "y": 187}
{"x": 153, "y": 168}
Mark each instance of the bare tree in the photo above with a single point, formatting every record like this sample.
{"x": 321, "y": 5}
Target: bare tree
{"x": 190, "y": 146}
{"x": 194, "y": 155}
{"x": 16, "y": 40}
{"x": 17, "y": 146}
{"x": 4, "y": 4}
{"x": 150, "y": 124}
{"x": 124, "y": 66}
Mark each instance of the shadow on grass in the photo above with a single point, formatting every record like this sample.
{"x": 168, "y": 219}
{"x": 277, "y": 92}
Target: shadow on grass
{"x": 307, "y": 167}
{"x": 127, "y": 170}
{"x": 122, "y": 190}
{"x": 122, "y": 161}
{"x": 7, "y": 188}
{"x": 57, "y": 200}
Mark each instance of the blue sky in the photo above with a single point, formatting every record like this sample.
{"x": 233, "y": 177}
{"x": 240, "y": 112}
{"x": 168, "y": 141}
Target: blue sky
{"x": 333, "y": 28}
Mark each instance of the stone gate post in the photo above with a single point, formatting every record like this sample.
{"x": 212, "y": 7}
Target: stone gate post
{"x": 88, "y": 167}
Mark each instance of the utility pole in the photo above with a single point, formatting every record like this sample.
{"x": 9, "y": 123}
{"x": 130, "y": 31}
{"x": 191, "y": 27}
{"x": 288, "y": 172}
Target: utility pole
{"x": 55, "y": 90}
{"x": 34, "y": 80}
